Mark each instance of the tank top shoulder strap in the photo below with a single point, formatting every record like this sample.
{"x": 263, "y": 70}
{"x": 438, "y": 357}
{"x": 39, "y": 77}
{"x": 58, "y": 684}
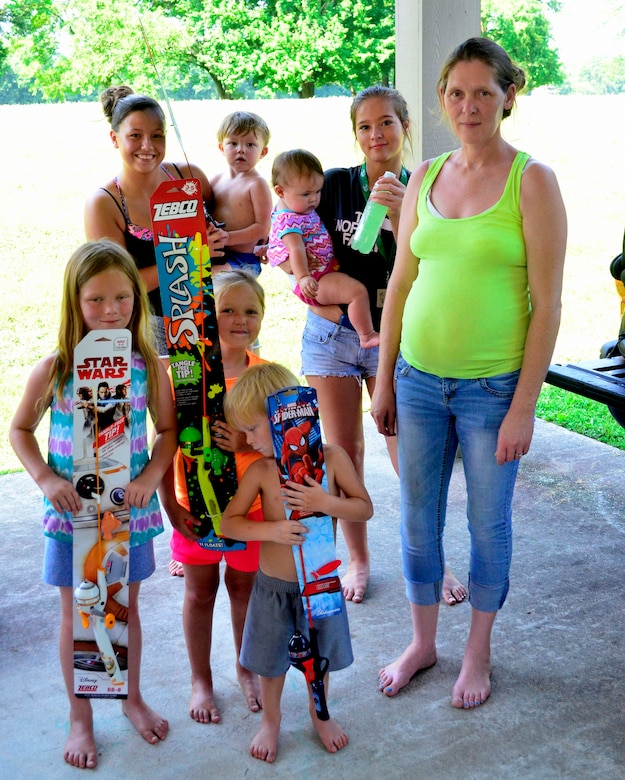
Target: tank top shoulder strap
{"x": 123, "y": 209}
{"x": 176, "y": 168}
{"x": 512, "y": 190}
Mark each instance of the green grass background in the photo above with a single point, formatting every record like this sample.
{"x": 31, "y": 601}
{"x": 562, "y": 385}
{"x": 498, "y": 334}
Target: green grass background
{"x": 54, "y": 155}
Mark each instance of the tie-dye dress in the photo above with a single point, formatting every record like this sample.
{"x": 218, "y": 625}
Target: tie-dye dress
{"x": 145, "y": 523}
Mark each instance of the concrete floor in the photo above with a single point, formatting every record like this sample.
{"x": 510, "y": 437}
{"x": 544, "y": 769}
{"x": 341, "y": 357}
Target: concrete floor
{"x": 557, "y": 709}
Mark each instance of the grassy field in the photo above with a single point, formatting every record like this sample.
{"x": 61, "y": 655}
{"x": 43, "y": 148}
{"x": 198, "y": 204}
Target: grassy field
{"x": 54, "y": 155}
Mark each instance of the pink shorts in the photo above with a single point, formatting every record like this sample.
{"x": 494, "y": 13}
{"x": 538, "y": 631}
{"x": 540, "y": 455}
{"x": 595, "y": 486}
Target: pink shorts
{"x": 185, "y": 551}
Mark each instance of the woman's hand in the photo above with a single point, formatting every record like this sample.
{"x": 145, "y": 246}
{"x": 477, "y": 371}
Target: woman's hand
{"x": 515, "y": 436}
{"x": 389, "y": 191}
{"x": 383, "y": 409}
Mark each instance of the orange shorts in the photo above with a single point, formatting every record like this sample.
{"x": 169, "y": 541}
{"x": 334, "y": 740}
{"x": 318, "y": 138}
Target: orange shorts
{"x": 185, "y": 551}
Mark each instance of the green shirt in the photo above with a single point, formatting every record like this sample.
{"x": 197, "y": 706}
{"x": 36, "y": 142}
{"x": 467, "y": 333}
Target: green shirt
{"x": 468, "y": 310}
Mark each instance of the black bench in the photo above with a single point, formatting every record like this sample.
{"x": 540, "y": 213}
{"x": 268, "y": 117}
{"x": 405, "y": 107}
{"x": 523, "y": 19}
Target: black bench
{"x": 601, "y": 380}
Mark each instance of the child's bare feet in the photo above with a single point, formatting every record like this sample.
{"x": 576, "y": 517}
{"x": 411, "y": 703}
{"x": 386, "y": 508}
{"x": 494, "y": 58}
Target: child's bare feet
{"x": 330, "y": 733}
{"x": 265, "y": 744}
{"x": 355, "y": 581}
{"x": 395, "y": 676}
{"x": 250, "y": 685}
{"x": 472, "y": 687}
{"x": 175, "y": 568}
{"x": 148, "y": 723}
{"x": 369, "y": 340}
{"x": 454, "y": 591}
{"x": 202, "y": 705}
{"x": 80, "y": 749}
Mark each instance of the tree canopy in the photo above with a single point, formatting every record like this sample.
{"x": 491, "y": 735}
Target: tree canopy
{"x": 72, "y": 49}
{"x": 65, "y": 48}
{"x": 523, "y": 29}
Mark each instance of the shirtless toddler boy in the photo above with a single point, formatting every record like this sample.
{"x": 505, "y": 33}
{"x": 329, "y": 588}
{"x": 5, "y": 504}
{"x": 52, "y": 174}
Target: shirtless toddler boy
{"x": 242, "y": 197}
{"x": 275, "y": 608}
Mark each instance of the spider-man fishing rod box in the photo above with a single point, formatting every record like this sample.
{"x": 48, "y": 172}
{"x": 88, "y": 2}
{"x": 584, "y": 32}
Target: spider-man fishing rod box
{"x": 185, "y": 281}
{"x": 294, "y": 419}
{"x": 102, "y": 398}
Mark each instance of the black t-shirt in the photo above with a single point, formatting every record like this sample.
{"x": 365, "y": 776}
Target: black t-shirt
{"x": 341, "y": 206}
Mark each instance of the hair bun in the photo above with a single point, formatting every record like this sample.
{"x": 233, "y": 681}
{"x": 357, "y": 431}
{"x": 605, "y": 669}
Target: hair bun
{"x": 111, "y": 96}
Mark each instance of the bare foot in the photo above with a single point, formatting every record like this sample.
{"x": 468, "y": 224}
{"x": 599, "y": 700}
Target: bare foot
{"x": 395, "y": 676}
{"x": 472, "y": 687}
{"x": 175, "y": 568}
{"x": 330, "y": 733}
{"x": 265, "y": 744}
{"x": 148, "y": 723}
{"x": 454, "y": 591}
{"x": 250, "y": 685}
{"x": 202, "y": 705}
{"x": 355, "y": 581}
{"x": 80, "y": 749}
{"x": 369, "y": 340}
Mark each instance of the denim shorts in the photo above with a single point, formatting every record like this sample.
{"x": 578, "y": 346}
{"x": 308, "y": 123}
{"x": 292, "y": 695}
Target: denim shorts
{"x": 434, "y": 415}
{"x": 58, "y": 563}
{"x": 331, "y": 349}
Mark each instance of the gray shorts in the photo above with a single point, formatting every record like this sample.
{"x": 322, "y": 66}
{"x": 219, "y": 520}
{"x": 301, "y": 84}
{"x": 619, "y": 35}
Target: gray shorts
{"x": 274, "y": 611}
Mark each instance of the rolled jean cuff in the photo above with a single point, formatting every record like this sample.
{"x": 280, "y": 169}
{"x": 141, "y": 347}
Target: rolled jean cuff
{"x": 424, "y": 594}
{"x": 487, "y": 598}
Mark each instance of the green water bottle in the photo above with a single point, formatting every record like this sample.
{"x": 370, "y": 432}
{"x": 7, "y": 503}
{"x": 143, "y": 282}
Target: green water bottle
{"x": 370, "y": 223}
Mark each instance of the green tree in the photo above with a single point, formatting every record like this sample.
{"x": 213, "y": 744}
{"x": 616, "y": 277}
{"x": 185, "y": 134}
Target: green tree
{"x": 309, "y": 43}
{"x": 604, "y": 76}
{"x": 523, "y": 29}
{"x": 79, "y": 46}
{"x": 71, "y": 48}
{"x": 222, "y": 39}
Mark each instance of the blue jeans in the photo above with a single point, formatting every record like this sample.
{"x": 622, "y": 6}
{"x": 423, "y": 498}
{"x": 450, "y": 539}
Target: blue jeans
{"x": 433, "y": 416}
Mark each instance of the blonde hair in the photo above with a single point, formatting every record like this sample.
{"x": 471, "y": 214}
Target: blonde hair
{"x": 296, "y": 163}
{"x": 226, "y": 281}
{"x": 246, "y": 401}
{"x": 90, "y": 259}
{"x": 242, "y": 122}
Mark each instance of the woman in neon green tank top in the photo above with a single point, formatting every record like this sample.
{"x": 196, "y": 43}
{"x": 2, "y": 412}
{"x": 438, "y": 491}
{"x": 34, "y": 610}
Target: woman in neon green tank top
{"x": 468, "y": 369}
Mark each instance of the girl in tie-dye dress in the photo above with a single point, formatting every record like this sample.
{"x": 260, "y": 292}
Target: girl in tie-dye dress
{"x": 101, "y": 290}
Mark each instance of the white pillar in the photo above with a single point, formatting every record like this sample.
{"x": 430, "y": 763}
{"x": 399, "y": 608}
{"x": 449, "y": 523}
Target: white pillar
{"x": 426, "y": 31}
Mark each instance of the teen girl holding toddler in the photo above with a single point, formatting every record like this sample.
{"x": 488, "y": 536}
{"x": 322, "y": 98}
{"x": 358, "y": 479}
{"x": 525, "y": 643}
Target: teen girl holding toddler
{"x": 101, "y": 290}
